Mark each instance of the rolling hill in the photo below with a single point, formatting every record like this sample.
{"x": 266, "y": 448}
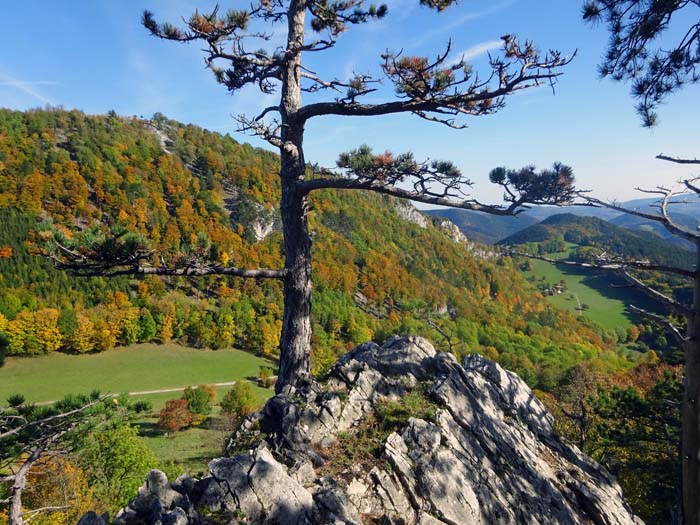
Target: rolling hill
{"x": 493, "y": 229}
{"x": 191, "y": 191}
{"x": 595, "y": 232}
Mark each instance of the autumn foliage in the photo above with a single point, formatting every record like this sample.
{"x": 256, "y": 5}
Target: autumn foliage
{"x": 175, "y": 416}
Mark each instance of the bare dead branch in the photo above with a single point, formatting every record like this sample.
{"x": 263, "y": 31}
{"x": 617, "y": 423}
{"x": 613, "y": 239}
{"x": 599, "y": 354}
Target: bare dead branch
{"x": 607, "y": 264}
{"x": 665, "y": 323}
{"x": 663, "y": 219}
{"x": 104, "y": 270}
{"x": 670, "y": 303}
{"x": 677, "y": 160}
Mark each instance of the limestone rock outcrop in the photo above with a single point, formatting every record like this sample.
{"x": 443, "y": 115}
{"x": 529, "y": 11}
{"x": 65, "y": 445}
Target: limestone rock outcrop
{"x": 480, "y": 449}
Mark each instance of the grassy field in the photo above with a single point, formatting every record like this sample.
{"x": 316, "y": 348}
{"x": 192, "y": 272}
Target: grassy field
{"x": 607, "y": 305}
{"x": 188, "y": 450}
{"x": 134, "y": 368}
{"x": 139, "y": 368}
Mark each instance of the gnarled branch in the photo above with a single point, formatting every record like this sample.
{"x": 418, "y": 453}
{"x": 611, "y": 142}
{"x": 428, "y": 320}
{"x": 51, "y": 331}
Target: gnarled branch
{"x": 677, "y": 160}
{"x": 441, "y": 182}
{"x": 428, "y": 88}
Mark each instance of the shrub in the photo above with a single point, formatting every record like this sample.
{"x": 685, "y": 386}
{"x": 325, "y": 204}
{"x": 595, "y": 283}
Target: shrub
{"x": 15, "y": 400}
{"x": 198, "y": 400}
{"x": 116, "y": 461}
{"x": 266, "y": 375}
{"x": 240, "y": 400}
{"x": 142, "y": 406}
{"x": 395, "y": 413}
{"x": 175, "y": 416}
{"x": 210, "y": 390}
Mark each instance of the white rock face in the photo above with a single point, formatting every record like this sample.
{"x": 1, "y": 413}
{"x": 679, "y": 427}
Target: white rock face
{"x": 408, "y": 212}
{"x": 452, "y": 230}
{"x": 488, "y": 456}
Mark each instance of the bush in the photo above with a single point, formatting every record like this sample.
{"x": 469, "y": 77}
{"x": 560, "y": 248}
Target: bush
{"x": 175, "y": 416}
{"x": 142, "y": 406}
{"x": 116, "y": 461}
{"x": 267, "y": 377}
{"x": 210, "y": 390}
{"x": 241, "y": 400}
{"x": 198, "y": 400}
{"x": 395, "y": 413}
{"x": 15, "y": 400}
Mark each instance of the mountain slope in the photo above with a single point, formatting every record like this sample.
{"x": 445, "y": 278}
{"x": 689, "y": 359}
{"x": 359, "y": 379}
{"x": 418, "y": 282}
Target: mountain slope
{"x": 196, "y": 193}
{"x": 591, "y": 231}
{"x": 481, "y": 227}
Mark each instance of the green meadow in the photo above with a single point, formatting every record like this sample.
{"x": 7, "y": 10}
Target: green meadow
{"x": 607, "y": 302}
{"x": 129, "y": 369}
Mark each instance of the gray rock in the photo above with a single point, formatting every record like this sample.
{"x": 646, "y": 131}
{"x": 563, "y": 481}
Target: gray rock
{"x": 92, "y": 518}
{"x": 489, "y": 455}
{"x": 260, "y": 488}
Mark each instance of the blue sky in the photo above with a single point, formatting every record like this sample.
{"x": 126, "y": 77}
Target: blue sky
{"x": 94, "y": 55}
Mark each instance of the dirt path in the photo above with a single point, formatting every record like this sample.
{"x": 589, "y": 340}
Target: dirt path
{"x": 149, "y": 392}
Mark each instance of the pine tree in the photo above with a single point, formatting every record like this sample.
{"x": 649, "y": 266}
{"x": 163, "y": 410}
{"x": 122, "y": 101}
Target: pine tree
{"x": 440, "y": 90}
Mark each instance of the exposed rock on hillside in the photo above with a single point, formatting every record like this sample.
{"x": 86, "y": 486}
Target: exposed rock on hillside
{"x": 410, "y": 213}
{"x": 451, "y": 229}
{"x": 399, "y": 434}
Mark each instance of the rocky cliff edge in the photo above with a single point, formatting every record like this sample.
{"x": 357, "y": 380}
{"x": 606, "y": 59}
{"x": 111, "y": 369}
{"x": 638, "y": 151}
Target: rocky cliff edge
{"x": 398, "y": 434}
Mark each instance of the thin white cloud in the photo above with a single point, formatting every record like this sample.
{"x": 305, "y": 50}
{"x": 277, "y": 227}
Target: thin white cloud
{"x": 30, "y": 83}
{"x": 459, "y": 21}
{"x": 476, "y": 51}
{"x": 27, "y": 86}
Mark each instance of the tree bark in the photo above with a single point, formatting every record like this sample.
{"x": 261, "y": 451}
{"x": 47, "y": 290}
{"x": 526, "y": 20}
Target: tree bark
{"x": 19, "y": 483}
{"x": 690, "y": 441}
{"x": 295, "y": 341}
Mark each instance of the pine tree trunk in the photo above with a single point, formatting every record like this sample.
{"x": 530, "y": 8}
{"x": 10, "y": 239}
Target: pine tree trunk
{"x": 690, "y": 441}
{"x": 295, "y": 342}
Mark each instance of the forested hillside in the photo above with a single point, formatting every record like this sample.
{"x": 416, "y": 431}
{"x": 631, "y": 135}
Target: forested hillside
{"x": 591, "y": 237}
{"x": 591, "y": 231}
{"x": 192, "y": 191}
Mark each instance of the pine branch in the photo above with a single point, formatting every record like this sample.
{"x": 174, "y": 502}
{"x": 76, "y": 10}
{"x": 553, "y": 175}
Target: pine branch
{"x": 441, "y": 182}
{"x": 379, "y": 187}
{"x": 46, "y": 421}
{"x": 424, "y": 88}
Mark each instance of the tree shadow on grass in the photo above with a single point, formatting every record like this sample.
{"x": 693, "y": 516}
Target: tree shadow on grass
{"x": 150, "y": 430}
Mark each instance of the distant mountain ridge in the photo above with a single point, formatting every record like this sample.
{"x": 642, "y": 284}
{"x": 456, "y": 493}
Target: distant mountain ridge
{"x": 490, "y": 229}
{"x": 484, "y": 228}
{"x": 592, "y": 231}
